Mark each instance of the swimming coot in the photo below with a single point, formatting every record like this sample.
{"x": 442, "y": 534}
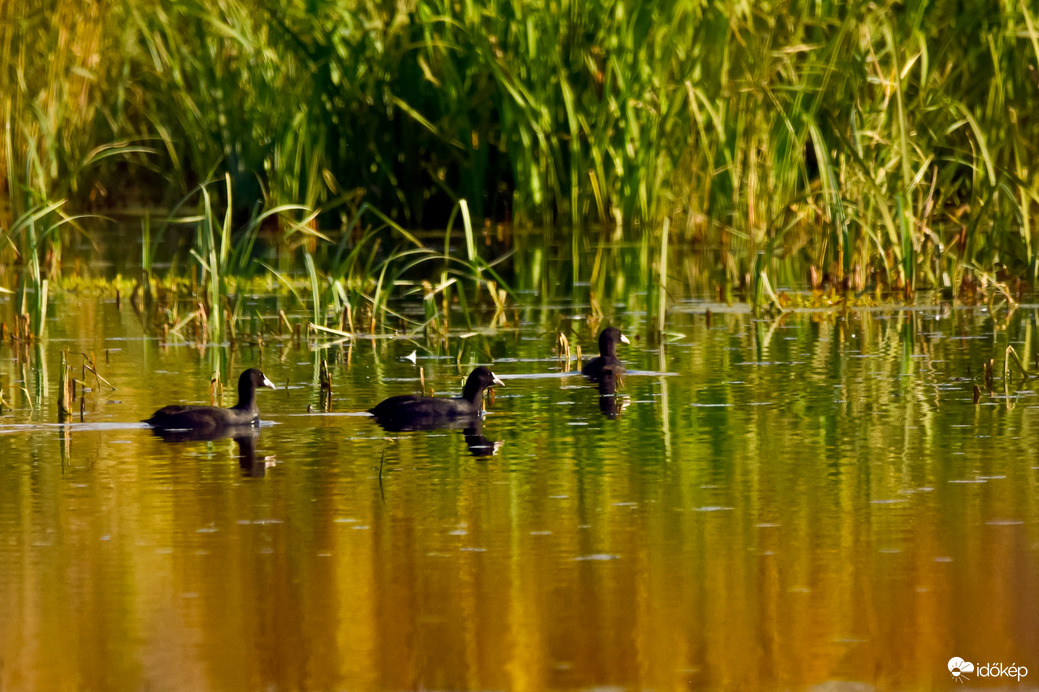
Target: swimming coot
{"x": 411, "y": 412}
{"x": 608, "y": 340}
{"x": 245, "y": 412}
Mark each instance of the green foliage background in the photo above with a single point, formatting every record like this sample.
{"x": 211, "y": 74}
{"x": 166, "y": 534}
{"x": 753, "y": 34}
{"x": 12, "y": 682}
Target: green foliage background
{"x": 895, "y": 139}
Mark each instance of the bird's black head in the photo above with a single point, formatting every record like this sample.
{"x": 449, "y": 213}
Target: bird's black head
{"x": 255, "y": 378}
{"x": 247, "y": 384}
{"x": 608, "y": 340}
{"x": 479, "y": 379}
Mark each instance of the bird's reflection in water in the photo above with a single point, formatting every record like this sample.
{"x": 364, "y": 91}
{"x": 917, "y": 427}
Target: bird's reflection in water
{"x": 471, "y": 427}
{"x": 251, "y": 466}
{"x": 480, "y": 446}
{"x": 610, "y": 402}
{"x": 245, "y": 436}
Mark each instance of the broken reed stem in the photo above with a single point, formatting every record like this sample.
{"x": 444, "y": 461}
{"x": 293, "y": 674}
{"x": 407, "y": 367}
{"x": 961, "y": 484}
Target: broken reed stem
{"x": 348, "y": 316}
{"x": 100, "y": 380}
{"x": 326, "y": 386}
{"x": 325, "y": 376}
{"x": 65, "y": 393}
{"x": 564, "y": 351}
{"x": 1010, "y": 352}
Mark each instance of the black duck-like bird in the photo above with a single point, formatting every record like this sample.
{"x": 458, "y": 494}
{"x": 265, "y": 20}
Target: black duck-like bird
{"x": 411, "y": 412}
{"x": 608, "y": 340}
{"x": 211, "y": 418}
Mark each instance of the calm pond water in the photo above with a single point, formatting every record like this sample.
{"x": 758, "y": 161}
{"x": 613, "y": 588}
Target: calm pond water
{"x": 768, "y": 504}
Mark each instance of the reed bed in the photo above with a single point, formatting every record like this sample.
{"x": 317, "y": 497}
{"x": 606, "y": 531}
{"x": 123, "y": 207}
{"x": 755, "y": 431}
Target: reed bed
{"x": 883, "y": 145}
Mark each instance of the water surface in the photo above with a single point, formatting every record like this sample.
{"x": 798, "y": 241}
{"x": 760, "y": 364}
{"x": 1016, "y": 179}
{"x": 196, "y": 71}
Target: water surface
{"x": 767, "y": 504}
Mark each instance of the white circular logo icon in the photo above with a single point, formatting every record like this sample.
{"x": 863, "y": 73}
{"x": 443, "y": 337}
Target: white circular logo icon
{"x": 958, "y": 667}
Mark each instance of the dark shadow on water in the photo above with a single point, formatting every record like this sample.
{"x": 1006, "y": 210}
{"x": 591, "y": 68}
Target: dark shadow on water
{"x": 244, "y": 435}
{"x": 471, "y": 427}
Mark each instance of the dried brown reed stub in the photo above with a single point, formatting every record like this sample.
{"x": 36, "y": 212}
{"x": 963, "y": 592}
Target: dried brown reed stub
{"x": 989, "y": 375}
{"x": 65, "y": 391}
{"x": 325, "y": 376}
{"x": 977, "y": 394}
{"x": 90, "y": 366}
{"x": 202, "y": 323}
{"x": 858, "y": 278}
{"x": 346, "y": 319}
{"x": 564, "y": 351}
{"x": 326, "y": 386}
{"x": 813, "y": 278}
{"x": 1011, "y": 354}
{"x": 498, "y": 295}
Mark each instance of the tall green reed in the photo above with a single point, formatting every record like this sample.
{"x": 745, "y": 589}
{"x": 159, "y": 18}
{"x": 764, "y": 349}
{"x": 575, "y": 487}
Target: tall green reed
{"x": 875, "y": 141}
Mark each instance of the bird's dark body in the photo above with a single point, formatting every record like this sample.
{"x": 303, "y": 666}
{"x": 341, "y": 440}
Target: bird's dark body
{"x": 214, "y": 418}
{"x": 412, "y": 412}
{"x": 607, "y": 359}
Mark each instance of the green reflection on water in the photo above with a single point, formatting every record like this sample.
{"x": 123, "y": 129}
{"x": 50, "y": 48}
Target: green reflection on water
{"x": 776, "y": 504}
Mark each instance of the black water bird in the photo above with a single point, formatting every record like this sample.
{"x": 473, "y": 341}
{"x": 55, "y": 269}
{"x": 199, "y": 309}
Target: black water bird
{"x": 471, "y": 426}
{"x": 608, "y": 340}
{"x": 411, "y": 412}
{"x": 213, "y": 418}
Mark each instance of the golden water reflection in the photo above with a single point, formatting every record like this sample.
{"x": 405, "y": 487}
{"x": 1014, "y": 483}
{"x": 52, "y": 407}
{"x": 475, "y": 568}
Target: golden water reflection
{"x": 778, "y": 506}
